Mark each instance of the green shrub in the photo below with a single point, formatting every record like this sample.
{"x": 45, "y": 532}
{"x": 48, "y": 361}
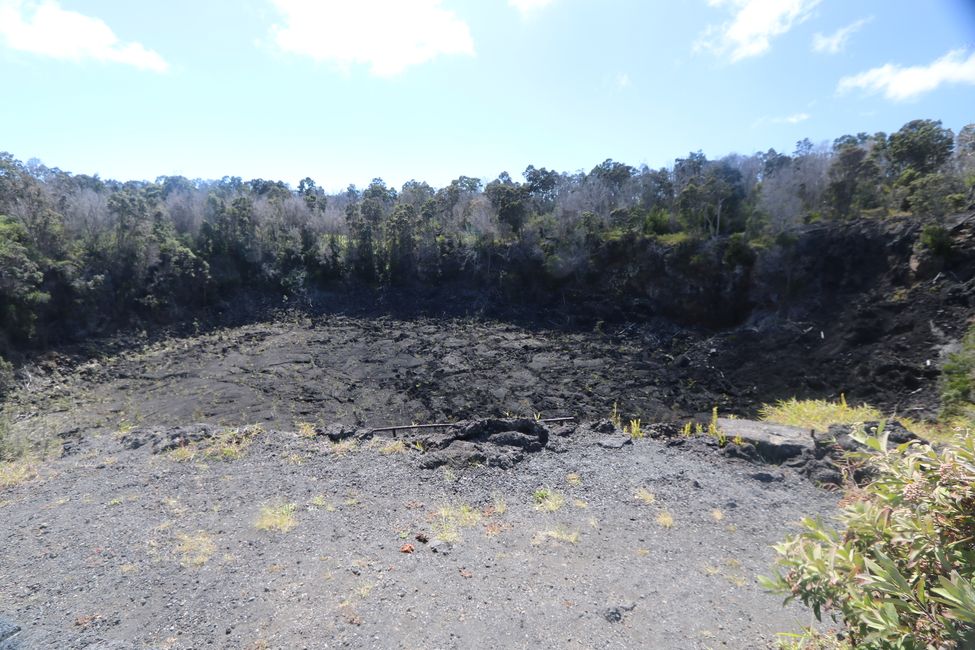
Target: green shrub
{"x": 6, "y": 377}
{"x": 958, "y": 378}
{"x": 738, "y": 252}
{"x": 900, "y": 570}
{"x": 936, "y": 239}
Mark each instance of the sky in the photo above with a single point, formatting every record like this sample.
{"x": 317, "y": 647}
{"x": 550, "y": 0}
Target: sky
{"x": 346, "y": 91}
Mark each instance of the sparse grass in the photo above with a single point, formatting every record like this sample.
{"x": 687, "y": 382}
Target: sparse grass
{"x": 573, "y": 479}
{"x": 319, "y": 501}
{"x": 579, "y": 503}
{"x": 278, "y": 519}
{"x": 305, "y": 429}
{"x": 393, "y": 447}
{"x": 231, "y": 444}
{"x": 295, "y": 459}
{"x": 717, "y": 515}
{"x": 665, "y": 519}
{"x": 711, "y": 570}
{"x": 615, "y": 416}
{"x": 16, "y": 472}
{"x": 343, "y": 448}
{"x": 557, "y": 534}
{"x": 818, "y": 414}
{"x": 714, "y": 430}
{"x": 498, "y": 505}
{"x": 449, "y": 520}
{"x": 674, "y": 238}
{"x": 548, "y": 500}
{"x": 196, "y": 549}
{"x": 228, "y": 445}
{"x": 634, "y": 429}
{"x": 645, "y": 496}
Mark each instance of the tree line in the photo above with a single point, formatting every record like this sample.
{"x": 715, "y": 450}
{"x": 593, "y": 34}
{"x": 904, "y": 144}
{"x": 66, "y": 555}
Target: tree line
{"x": 79, "y": 254}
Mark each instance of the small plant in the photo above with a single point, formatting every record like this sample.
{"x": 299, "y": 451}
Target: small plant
{"x": 665, "y": 519}
{"x": 900, "y": 571}
{"x": 714, "y": 430}
{"x": 449, "y": 520}
{"x": 305, "y": 429}
{"x": 548, "y": 500}
{"x": 394, "y": 447}
{"x": 645, "y": 496}
{"x": 319, "y": 501}
{"x": 278, "y": 519}
{"x": 717, "y": 515}
{"x": 343, "y": 448}
{"x": 687, "y": 430}
{"x": 573, "y": 479}
{"x": 634, "y": 429}
{"x": 498, "y": 506}
{"x": 195, "y": 550}
{"x": 615, "y": 416}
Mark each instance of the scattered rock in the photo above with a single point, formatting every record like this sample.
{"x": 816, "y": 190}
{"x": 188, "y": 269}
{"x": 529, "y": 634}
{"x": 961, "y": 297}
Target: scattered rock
{"x": 492, "y": 442}
{"x": 614, "y": 442}
{"x": 166, "y": 439}
{"x": 336, "y": 432}
{"x": 615, "y": 614}
{"x": 9, "y": 635}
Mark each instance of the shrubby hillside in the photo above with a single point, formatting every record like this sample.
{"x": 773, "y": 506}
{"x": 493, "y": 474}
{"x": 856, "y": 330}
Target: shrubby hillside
{"x": 80, "y": 255}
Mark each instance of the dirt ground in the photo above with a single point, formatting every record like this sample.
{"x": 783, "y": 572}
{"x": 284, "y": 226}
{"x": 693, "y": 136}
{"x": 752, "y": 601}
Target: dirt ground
{"x": 578, "y": 546}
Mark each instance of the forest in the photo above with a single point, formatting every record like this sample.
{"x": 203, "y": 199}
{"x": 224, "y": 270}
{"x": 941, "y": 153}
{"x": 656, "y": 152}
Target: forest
{"x": 80, "y": 255}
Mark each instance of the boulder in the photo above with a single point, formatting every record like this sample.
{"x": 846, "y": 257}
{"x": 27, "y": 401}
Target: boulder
{"x": 773, "y": 442}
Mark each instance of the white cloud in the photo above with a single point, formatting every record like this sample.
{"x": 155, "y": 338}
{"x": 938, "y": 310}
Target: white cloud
{"x": 899, "y": 84}
{"x": 47, "y": 29}
{"x": 835, "y": 42}
{"x": 795, "y": 118}
{"x": 752, "y": 27}
{"x": 529, "y": 6}
{"x": 623, "y": 80}
{"x": 387, "y": 35}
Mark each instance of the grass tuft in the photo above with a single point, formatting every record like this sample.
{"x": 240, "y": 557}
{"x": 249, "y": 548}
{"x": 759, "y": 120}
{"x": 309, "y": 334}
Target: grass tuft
{"x": 665, "y": 519}
{"x": 196, "y": 549}
{"x": 449, "y": 520}
{"x": 645, "y": 496}
{"x": 278, "y": 519}
{"x": 394, "y": 447}
{"x": 557, "y": 534}
{"x": 818, "y": 414}
{"x": 548, "y": 500}
{"x": 16, "y": 472}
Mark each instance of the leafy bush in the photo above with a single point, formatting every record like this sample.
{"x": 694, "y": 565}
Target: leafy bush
{"x": 958, "y": 378}
{"x": 900, "y": 570}
{"x": 936, "y": 239}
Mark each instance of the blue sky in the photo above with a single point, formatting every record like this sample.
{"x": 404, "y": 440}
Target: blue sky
{"x": 428, "y": 89}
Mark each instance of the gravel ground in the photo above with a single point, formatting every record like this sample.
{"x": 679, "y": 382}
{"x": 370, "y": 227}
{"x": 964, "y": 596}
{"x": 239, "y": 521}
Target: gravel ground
{"x": 113, "y": 547}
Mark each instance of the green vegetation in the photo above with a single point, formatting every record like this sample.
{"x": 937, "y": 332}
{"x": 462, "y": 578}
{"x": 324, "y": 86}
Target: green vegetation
{"x": 277, "y": 518}
{"x": 958, "y": 380}
{"x": 83, "y": 254}
{"x": 899, "y": 571}
{"x": 548, "y": 500}
{"x": 818, "y": 414}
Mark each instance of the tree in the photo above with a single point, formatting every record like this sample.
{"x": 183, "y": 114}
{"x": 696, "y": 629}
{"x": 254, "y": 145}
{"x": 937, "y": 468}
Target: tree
{"x": 921, "y": 145}
{"x": 508, "y": 198}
